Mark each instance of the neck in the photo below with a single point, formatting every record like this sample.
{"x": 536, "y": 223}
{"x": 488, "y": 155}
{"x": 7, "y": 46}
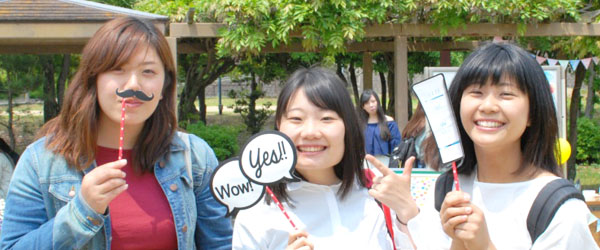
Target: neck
{"x": 498, "y": 165}
{"x": 373, "y": 118}
{"x": 320, "y": 176}
{"x": 108, "y": 133}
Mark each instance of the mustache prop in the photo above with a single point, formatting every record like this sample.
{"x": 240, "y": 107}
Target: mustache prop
{"x": 137, "y": 93}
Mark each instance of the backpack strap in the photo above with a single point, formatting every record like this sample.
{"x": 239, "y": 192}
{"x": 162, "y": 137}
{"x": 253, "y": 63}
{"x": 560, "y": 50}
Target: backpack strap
{"x": 187, "y": 154}
{"x": 547, "y": 202}
{"x": 443, "y": 185}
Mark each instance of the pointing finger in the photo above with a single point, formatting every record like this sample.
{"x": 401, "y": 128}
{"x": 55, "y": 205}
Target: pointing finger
{"x": 382, "y": 168}
{"x": 408, "y": 165}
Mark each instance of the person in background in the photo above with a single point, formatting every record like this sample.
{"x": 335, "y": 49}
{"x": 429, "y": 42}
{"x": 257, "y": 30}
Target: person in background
{"x": 8, "y": 159}
{"x": 69, "y": 191}
{"x": 380, "y": 131}
{"x": 418, "y": 129}
{"x": 331, "y": 205}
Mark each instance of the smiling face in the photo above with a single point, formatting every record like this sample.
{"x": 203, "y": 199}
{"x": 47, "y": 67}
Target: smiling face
{"x": 318, "y": 135}
{"x": 495, "y": 116}
{"x": 144, "y": 71}
{"x": 371, "y": 106}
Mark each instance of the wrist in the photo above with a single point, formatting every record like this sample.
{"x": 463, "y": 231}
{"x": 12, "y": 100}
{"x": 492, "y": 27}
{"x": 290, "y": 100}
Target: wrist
{"x": 407, "y": 214}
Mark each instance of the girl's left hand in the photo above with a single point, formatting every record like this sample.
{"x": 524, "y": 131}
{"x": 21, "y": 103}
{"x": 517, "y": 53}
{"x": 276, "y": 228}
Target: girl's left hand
{"x": 474, "y": 233}
{"x": 393, "y": 190}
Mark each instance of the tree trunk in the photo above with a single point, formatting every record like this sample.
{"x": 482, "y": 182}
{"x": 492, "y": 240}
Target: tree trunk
{"x": 573, "y": 114}
{"x": 589, "y": 102}
{"x": 254, "y": 95}
{"x": 383, "y": 91}
{"x": 11, "y": 132}
{"x": 50, "y": 104}
{"x": 202, "y": 103}
{"x": 354, "y": 84}
{"x": 339, "y": 72}
{"x": 391, "y": 90}
{"x": 62, "y": 79}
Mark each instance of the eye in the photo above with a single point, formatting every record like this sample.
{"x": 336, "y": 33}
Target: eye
{"x": 149, "y": 72}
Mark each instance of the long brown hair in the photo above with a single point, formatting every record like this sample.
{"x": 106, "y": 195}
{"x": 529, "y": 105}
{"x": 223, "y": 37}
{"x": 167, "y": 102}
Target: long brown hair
{"x": 416, "y": 124}
{"x": 73, "y": 133}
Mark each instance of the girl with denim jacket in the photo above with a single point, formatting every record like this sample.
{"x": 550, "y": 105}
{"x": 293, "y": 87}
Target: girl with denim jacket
{"x": 69, "y": 191}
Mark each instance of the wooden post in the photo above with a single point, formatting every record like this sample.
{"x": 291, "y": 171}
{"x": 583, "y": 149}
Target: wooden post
{"x": 173, "y": 47}
{"x": 367, "y": 70}
{"x": 445, "y": 58}
{"x": 401, "y": 80}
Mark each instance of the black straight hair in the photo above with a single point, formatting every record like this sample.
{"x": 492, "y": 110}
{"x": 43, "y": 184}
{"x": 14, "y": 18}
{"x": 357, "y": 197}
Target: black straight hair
{"x": 326, "y": 90}
{"x": 9, "y": 151}
{"x": 363, "y": 116}
{"x": 488, "y": 64}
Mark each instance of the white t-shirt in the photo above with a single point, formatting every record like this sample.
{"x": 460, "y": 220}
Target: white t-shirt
{"x": 356, "y": 222}
{"x": 506, "y": 207}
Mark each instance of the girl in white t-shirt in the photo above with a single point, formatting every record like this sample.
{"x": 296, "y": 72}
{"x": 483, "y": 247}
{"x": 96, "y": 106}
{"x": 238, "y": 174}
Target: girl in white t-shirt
{"x": 331, "y": 205}
{"x": 508, "y": 127}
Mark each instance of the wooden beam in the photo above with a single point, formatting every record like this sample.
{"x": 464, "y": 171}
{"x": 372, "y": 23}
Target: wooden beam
{"x": 367, "y": 70}
{"x": 401, "y": 81}
{"x": 188, "y": 48}
{"x": 423, "y": 30}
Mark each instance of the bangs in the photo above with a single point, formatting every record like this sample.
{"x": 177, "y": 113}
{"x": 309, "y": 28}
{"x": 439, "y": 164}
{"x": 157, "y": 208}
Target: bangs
{"x": 493, "y": 69}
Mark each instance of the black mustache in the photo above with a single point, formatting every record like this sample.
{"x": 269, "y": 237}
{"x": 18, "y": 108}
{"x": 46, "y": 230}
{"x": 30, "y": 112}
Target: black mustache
{"x": 137, "y": 93}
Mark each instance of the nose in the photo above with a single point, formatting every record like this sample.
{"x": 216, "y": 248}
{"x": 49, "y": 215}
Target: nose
{"x": 132, "y": 82}
{"x": 489, "y": 104}
{"x": 310, "y": 130}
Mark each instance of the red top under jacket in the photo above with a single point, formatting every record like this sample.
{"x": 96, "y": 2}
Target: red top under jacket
{"x": 140, "y": 217}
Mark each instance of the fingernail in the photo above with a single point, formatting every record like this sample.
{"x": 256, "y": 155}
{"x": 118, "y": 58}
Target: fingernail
{"x": 467, "y": 197}
{"x": 468, "y": 210}
{"x": 123, "y": 161}
{"x": 464, "y": 217}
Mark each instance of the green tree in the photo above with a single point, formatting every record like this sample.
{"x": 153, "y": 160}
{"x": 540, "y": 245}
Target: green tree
{"x": 18, "y": 74}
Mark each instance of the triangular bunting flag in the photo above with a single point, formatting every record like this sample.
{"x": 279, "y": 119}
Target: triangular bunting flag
{"x": 563, "y": 63}
{"x": 574, "y": 64}
{"x": 552, "y": 62}
{"x": 540, "y": 59}
{"x": 586, "y": 62}
{"x": 596, "y": 59}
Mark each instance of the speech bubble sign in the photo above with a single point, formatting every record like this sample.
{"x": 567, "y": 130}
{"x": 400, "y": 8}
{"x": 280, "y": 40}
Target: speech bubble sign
{"x": 268, "y": 157}
{"x": 433, "y": 96}
{"x": 231, "y": 188}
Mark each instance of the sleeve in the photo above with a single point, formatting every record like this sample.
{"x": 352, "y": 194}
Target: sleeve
{"x": 569, "y": 229}
{"x": 426, "y": 230}
{"x": 395, "y": 136}
{"x": 6, "y": 170}
{"x": 244, "y": 236}
{"x": 213, "y": 229}
{"x": 26, "y": 224}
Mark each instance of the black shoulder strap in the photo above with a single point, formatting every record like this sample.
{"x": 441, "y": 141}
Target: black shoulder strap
{"x": 443, "y": 185}
{"x": 547, "y": 202}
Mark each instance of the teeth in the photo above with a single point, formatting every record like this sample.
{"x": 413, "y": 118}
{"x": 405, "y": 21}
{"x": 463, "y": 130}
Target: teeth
{"x": 310, "y": 149}
{"x": 489, "y": 124}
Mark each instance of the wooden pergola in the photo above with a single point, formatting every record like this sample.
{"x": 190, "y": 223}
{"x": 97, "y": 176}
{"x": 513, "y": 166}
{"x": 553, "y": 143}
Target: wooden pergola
{"x": 400, "y": 45}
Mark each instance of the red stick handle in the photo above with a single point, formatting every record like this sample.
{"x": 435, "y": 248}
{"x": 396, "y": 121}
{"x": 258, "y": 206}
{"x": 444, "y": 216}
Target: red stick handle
{"x": 281, "y": 207}
{"x": 455, "y": 173}
{"x": 121, "y": 132}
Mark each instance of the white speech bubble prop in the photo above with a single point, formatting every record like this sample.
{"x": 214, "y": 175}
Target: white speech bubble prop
{"x": 231, "y": 188}
{"x": 268, "y": 157}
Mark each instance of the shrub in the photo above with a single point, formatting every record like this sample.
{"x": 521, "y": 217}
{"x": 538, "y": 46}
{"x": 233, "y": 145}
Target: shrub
{"x": 222, "y": 139}
{"x": 588, "y": 141}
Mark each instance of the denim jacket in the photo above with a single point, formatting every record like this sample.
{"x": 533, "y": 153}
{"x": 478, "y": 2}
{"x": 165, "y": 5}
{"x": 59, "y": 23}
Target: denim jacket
{"x": 45, "y": 209}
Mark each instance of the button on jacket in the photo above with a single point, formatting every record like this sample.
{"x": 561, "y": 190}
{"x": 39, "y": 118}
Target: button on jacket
{"x": 45, "y": 209}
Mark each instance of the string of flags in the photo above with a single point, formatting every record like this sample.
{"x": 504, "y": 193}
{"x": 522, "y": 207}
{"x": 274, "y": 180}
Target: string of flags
{"x": 564, "y": 64}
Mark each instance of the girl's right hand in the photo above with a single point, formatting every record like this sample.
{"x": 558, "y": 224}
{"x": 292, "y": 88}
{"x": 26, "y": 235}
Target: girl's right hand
{"x": 299, "y": 240}
{"x": 454, "y": 211}
{"x": 101, "y": 185}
